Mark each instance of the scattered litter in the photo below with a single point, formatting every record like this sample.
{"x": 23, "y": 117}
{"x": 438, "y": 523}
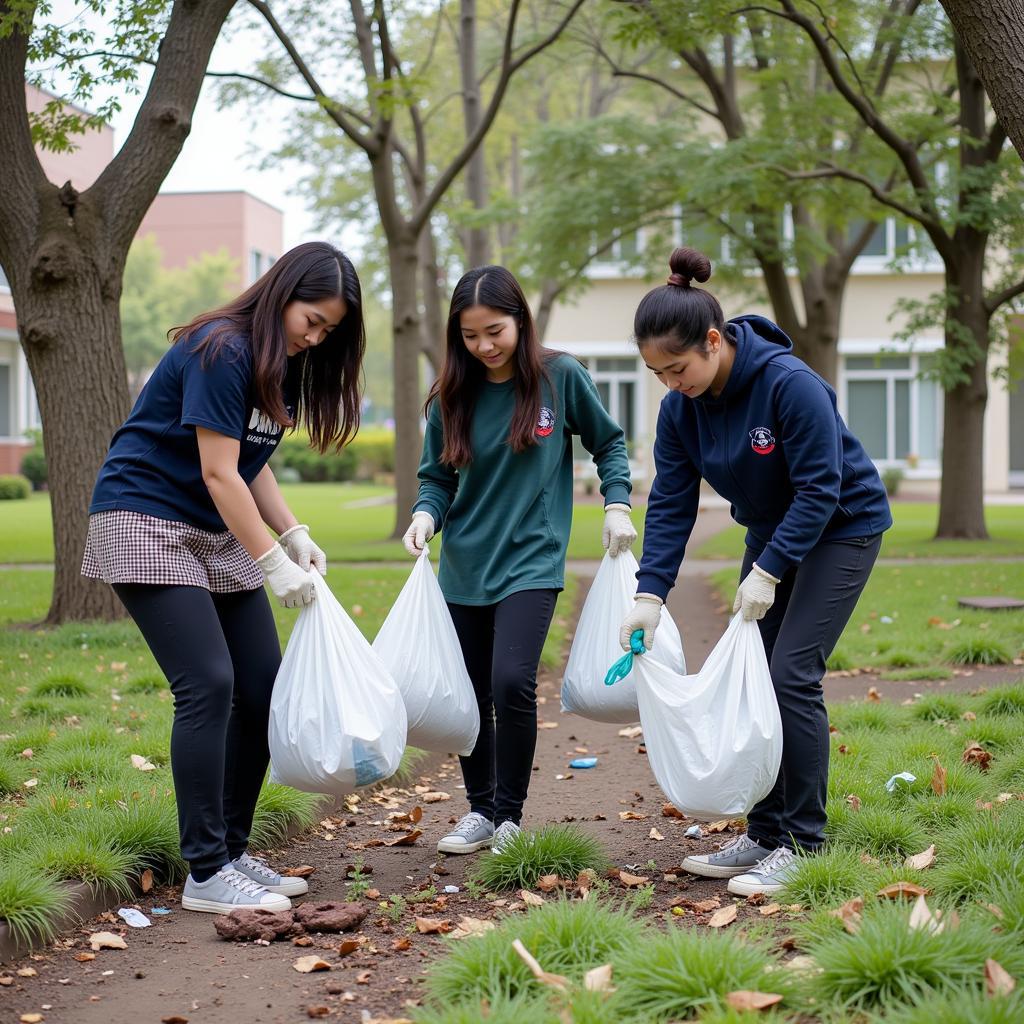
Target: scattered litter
{"x": 451, "y": 888}
{"x": 694, "y": 832}
{"x": 134, "y": 917}
{"x": 583, "y": 762}
{"x": 159, "y": 910}
{"x": 890, "y": 786}
{"x": 887, "y": 619}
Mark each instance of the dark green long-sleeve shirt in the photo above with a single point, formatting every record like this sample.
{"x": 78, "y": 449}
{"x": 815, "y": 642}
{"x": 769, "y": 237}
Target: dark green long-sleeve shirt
{"x": 506, "y": 516}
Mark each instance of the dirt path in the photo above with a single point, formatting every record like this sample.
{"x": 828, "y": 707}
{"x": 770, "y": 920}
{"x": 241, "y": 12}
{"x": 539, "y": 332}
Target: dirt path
{"x": 178, "y": 969}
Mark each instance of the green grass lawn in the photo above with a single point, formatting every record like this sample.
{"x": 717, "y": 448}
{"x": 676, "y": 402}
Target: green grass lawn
{"x": 928, "y": 630}
{"x": 346, "y": 529}
{"x": 911, "y": 535}
{"x": 82, "y": 699}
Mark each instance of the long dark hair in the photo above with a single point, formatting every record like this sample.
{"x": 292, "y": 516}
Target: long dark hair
{"x": 462, "y": 375}
{"x": 331, "y": 372}
{"x": 677, "y": 314}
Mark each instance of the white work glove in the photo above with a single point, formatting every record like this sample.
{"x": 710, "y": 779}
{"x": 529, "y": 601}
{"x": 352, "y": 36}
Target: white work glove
{"x": 756, "y": 594}
{"x": 300, "y": 548}
{"x": 421, "y": 529}
{"x": 291, "y": 585}
{"x": 646, "y": 615}
{"x": 618, "y": 533}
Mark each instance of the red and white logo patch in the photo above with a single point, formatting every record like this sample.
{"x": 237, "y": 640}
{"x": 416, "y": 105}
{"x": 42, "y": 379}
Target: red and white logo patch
{"x": 761, "y": 441}
{"x": 545, "y": 422}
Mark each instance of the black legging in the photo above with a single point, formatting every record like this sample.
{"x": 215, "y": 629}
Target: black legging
{"x": 813, "y": 604}
{"x": 501, "y": 644}
{"x": 220, "y": 654}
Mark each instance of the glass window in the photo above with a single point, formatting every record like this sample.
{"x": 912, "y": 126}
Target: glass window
{"x": 627, "y": 365}
{"x": 877, "y": 244}
{"x": 902, "y": 235}
{"x": 928, "y": 405}
{"x": 604, "y": 389}
{"x": 255, "y": 264}
{"x": 629, "y": 246}
{"x": 878, "y": 362}
{"x": 867, "y": 415}
{"x": 627, "y": 407}
{"x": 5, "y": 400}
{"x": 901, "y": 418}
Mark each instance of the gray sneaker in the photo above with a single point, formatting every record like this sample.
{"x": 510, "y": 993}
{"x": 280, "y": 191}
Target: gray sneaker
{"x": 228, "y": 890}
{"x": 505, "y": 833}
{"x": 734, "y": 858}
{"x": 769, "y": 877}
{"x": 472, "y": 832}
{"x": 259, "y": 871}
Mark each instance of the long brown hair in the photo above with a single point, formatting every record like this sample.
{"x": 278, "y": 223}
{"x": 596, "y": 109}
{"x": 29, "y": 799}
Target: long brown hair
{"x": 463, "y": 376}
{"x": 331, "y": 372}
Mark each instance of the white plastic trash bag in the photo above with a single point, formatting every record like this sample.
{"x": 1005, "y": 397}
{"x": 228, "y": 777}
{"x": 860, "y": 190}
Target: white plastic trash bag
{"x": 714, "y": 739}
{"x": 596, "y": 645}
{"x": 337, "y": 720}
{"x": 420, "y": 647}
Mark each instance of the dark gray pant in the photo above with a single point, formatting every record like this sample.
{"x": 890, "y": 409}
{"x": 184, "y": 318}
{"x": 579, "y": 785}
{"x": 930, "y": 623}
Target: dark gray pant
{"x": 813, "y": 603}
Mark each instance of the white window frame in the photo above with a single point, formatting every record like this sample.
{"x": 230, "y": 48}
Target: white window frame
{"x": 256, "y": 260}
{"x": 12, "y": 400}
{"x": 925, "y": 468}
{"x": 877, "y": 264}
{"x": 613, "y": 378}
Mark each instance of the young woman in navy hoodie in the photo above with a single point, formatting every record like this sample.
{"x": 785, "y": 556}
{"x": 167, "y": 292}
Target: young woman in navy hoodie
{"x": 762, "y": 428}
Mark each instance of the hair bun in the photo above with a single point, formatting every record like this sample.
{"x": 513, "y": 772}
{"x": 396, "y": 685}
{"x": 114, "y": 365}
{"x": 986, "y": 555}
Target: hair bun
{"x": 688, "y": 265}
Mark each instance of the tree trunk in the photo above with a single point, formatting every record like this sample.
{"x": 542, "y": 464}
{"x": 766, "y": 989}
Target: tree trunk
{"x": 478, "y": 247}
{"x": 408, "y": 398}
{"x": 69, "y": 324}
{"x": 545, "y": 307}
{"x": 432, "y": 282}
{"x": 992, "y": 33}
{"x": 962, "y": 491}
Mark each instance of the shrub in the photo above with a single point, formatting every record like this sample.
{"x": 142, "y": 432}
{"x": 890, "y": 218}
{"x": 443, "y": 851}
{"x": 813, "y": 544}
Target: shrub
{"x": 891, "y": 480}
{"x": 14, "y": 488}
{"x": 553, "y": 850}
{"x": 33, "y": 468}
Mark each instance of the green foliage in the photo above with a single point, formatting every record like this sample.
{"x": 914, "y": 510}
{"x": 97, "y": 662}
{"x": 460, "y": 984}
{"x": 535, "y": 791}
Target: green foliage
{"x": 30, "y": 902}
{"x": 553, "y": 850}
{"x": 154, "y": 299}
{"x": 968, "y": 1007}
{"x": 33, "y": 462}
{"x": 979, "y": 650}
{"x": 61, "y": 686}
{"x": 1006, "y": 700}
{"x": 14, "y": 487}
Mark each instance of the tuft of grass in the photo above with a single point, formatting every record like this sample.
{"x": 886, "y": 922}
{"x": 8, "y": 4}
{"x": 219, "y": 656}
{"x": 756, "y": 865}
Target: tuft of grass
{"x": 996, "y": 734}
{"x": 839, "y": 661}
{"x": 969, "y": 1007}
{"x": 1006, "y": 700}
{"x": 82, "y": 857}
{"x": 921, "y": 672}
{"x": 61, "y": 686}
{"x": 279, "y": 809}
{"x": 939, "y": 816}
{"x": 537, "y": 1009}
{"x": 1009, "y": 773}
{"x": 978, "y": 650}
{"x": 938, "y": 707}
{"x": 406, "y": 770}
{"x": 567, "y": 938}
{"x": 830, "y": 877}
{"x": 30, "y": 901}
{"x": 12, "y": 774}
{"x": 867, "y": 715}
{"x": 36, "y": 707}
{"x": 147, "y": 831}
{"x": 675, "y": 975}
{"x": 887, "y": 964}
{"x": 905, "y": 658}
{"x": 882, "y": 831}
{"x": 553, "y": 850}
{"x": 148, "y": 684}
{"x": 968, "y": 872}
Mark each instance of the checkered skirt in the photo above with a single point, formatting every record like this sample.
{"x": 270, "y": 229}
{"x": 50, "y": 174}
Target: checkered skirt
{"x": 131, "y": 547}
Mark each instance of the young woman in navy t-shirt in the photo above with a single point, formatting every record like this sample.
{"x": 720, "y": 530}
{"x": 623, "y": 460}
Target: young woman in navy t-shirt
{"x": 762, "y": 428}
{"x": 178, "y": 526}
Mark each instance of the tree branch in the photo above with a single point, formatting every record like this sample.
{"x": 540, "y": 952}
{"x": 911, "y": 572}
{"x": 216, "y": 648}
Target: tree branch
{"x": 997, "y": 299}
{"x": 509, "y": 67}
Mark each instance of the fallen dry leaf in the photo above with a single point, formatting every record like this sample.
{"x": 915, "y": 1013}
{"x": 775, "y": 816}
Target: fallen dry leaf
{"x": 406, "y": 840}
{"x": 27, "y": 753}
{"x": 548, "y": 883}
{"x": 554, "y": 980}
{"x": 318, "y": 1011}
{"x": 850, "y": 914}
{"x": 671, "y": 811}
{"x": 998, "y": 981}
{"x": 720, "y": 918}
{"x": 347, "y": 946}
{"x": 629, "y": 880}
{"x": 138, "y": 761}
{"x": 599, "y": 979}
{"x": 631, "y": 816}
{"x": 435, "y": 797}
{"x": 969, "y": 716}
{"x": 922, "y": 860}
{"x": 873, "y": 694}
{"x": 718, "y": 826}
{"x": 411, "y": 818}
{"x": 903, "y": 891}
{"x": 85, "y": 957}
{"x": 401, "y": 945}
{"x": 769, "y": 908}
{"x": 854, "y": 801}
{"x": 146, "y": 880}
{"x": 655, "y": 835}
{"x": 175, "y": 1018}
{"x": 30, "y": 1018}
{"x": 106, "y": 940}
{"x": 531, "y": 899}
{"x": 302, "y": 940}
{"x": 922, "y": 918}
{"x": 470, "y": 927}
{"x": 547, "y": 725}
{"x": 743, "y": 999}
{"x": 364, "y": 977}
{"x": 975, "y": 753}
{"x": 938, "y": 777}
{"x": 993, "y": 909}
{"x": 302, "y": 871}
{"x": 433, "y": 925}
{"x": 631, "y": 732}
{"x": 308, "y": 964}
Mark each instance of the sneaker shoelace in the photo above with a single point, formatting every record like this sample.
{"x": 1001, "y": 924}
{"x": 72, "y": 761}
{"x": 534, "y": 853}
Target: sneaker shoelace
{"x": 775, "y": 861}
{"x": 738, "y": 845}
{"x": 242, "y": 883}
{"x": 468, "y": 825}
{"x": 506, "y": 830}
{"x": 260, "y": 867}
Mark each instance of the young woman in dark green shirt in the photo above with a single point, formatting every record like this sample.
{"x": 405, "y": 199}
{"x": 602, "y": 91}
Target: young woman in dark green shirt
{"x": 497, "y": 476}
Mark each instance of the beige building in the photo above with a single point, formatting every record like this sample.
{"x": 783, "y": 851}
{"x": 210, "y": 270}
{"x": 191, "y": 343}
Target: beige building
{"x": 896, "y": 414}
{"x": 185, "y": 225}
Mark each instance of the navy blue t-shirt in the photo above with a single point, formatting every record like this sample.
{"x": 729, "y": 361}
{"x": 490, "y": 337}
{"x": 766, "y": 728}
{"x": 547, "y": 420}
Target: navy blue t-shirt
{"x": 153, "y": 464}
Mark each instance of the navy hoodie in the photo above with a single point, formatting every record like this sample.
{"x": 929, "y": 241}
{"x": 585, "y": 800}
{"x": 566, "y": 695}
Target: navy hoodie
{"x": 773, "y": 444}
